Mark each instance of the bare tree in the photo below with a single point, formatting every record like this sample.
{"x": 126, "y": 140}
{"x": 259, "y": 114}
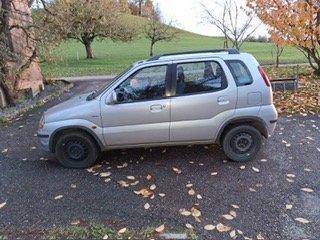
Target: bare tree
{"x": 229, "y": 24}
{"x": 157, "y": 31}
{"x": 277, "y": 50}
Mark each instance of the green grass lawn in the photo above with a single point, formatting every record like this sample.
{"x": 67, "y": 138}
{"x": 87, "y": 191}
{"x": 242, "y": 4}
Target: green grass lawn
{"x": 113, "y": 57}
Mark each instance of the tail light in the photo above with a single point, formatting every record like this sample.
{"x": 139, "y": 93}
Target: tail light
{"x": 264, "y": 76}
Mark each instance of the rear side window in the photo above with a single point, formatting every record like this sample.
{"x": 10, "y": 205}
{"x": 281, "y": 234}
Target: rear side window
{"x": 199, "y": 77}
{"x": 240, "y": 72}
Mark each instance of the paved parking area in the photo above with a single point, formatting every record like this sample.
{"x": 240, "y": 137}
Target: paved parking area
{"x": 276, "y": 196}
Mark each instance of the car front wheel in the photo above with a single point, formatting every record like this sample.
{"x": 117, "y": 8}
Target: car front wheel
{"x": 242, "y": 143}
{"x": 76, "y": 150}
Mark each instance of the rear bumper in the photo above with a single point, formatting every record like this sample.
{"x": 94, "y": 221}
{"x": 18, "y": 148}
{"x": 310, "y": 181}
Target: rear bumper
{"x": 270, "y": 116}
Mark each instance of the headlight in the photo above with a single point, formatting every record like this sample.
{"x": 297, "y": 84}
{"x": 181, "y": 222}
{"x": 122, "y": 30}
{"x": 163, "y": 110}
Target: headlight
{"x": 41, "y": 122}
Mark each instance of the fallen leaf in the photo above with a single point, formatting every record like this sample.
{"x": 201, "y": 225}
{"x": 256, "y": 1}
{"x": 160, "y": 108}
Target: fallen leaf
{"x": 223, "y": 228}
{"x": 308, "y": 190}
{"x": 191, "y": 192}
{"x": 235, "y": 206}
{"x": 264, "y": 160}
{"x": 4, "y": 150}
{"x": 162, "y": 194}
{"x": 233, "y": 234}
{"x": 255, "y": 169}
{"x": 153, "y": 187}
{"x": 214, "y": 173}
{"x": 123, "y": 183}
{"x": 2, "y": 204}
{"x": 160, "y": 229}
{"x": 134, "y": 183}
{"x": 73, "y": 185}
{"x": 289, "y": 175}
{"x": 289, "y": 206}
{"x": 105, "y": 237}
{"x": 307, "y": 170}
{"x": 199, "y": 196}
{"x": 289, "y": 180}
{"x": 105, "y": 174}
{"x": 58, "y": 197}
{"x": 260, "y": 237}
{"x": 184, "y": 212}
{"x": 233, "y": 213}
{"x": 131, "y": 177}
{"x": 148, "y": 177}
{"x": 147, "y": 206}
{"x": 189, "y": 226}
{"x": 176, "y": 170}
{"x": 189, "y": 185}
{"x": 302, "y": 220}
{"x": 76, "y": 222}
{"x": 195, "y": 212}
{"x": 209, "y": 227}
{"x": 252, "y": 190}
{"x": 242, "y": 167}
{"x": 122, "y": 231}
{"x": 227, "y": 216}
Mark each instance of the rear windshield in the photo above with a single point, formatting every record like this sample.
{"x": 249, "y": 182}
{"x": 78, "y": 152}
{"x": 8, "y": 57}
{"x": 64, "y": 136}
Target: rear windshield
{"x": 240, "y": 72}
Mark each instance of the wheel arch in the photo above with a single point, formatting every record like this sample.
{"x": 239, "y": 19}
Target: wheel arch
{"x": 54, "y": 136}
{"x": 255, "y": 122}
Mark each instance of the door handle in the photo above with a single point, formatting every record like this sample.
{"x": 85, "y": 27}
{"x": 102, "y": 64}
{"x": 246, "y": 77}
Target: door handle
{"x": 223, "y": 100}
{"x": 156, "y": 108}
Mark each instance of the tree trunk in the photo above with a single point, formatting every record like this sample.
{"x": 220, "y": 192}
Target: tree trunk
{"x": 89, "y": 51}
{"x": 151, "y": 49}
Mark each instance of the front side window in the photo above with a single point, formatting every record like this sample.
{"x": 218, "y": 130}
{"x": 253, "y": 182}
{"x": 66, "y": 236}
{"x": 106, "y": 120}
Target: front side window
{"x": 199, "y": 77}
{"x": 240, "y": 72}
{"x": 144, "y": 85}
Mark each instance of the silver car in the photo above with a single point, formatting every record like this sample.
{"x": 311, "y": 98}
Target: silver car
{"x": 217, "y": 96}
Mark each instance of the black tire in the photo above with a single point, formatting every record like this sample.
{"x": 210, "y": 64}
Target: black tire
{"x": 241, "y": 143}
{"x": 76, "y": 150}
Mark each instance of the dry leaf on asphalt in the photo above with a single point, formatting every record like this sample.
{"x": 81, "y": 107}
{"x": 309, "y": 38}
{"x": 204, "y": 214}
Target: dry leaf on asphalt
{"x": 123, "y": 183}
{"x": 233, "y": 234}
{"x": 191, "y": 192}
{"x": 255, "y": 169}
{"x": 227, "y": 216}
{"x": 289, "y": 175}
{"x": 146, "y": 206}
{"x": 209, "y": 227}
{"x": 76, "y": 222}
{"x": 58, "y": 197}
{"x": 105, "y": 174}
{"x": 214, "y": 174}
{"x": 260, "y": 237}
{"x": 189, "y": 226}
{"x": 153, "y": 187}
{"x": 233, "y": 213}
{"x": 199, "y": 196}
{"x": 189, "y": 185}
{"x": 235, "y": 206}
{"x": 195, "y": 212}
{"x": 289, "y": 180}
{"x": 302, "y": 220}
{"x": 162, "y": 194}
{"x": 105, "y": 237}
{"x": 308, "y": 190}
{"x": 242, "y": 167}
{"x": 148, "y": 177}
{"x": 160, "y": 229}
{"x": 131, "y": 177}
{"x": 177, "y": 170}
{"x": 73, "y": 185}
{"x": 4, "y": 150}
{"x": 184, "y": 212}
{"x": 122, "y": 231}
{"x": 223, "y": 228}
{"x": 2, "y": 204}
{"x": 289, "y": 206}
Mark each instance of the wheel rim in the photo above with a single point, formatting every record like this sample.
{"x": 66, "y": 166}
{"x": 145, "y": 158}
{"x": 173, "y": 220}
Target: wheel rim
{"x": 242, "y": 143}
{"x": 75, "y": 150}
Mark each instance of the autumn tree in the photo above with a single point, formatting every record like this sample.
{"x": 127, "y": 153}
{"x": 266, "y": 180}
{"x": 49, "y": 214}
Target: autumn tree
{"x": 157, "y": 31}
{"x": 226, "y": 17}
{"x": 295, "y": 23}
{"x": 87, "y": 20}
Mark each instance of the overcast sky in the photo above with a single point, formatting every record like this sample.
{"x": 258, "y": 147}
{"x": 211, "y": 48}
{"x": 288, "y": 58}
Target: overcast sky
{"x": 188, "y": 15}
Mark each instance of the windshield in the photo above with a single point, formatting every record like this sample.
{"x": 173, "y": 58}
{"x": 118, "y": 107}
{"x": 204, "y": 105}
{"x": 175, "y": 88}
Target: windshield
{"x": 108, "y": 83}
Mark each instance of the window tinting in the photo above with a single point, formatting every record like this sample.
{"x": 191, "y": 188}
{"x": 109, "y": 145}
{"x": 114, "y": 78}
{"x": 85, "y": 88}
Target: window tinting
{"x": 146, "y": 84}
{"x": 199, "y": 77}
{"x": 240, "y": 72}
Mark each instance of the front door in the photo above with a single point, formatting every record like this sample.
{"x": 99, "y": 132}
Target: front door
{"x": 142, "y": 112}
{"x": 204, "y": 99}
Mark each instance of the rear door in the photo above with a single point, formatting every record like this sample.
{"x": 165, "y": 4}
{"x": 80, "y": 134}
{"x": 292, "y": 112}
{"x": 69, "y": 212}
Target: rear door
{"x": 204, "y": 97}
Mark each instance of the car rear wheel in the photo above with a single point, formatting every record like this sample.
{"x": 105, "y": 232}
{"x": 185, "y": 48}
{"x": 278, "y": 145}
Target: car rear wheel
{"x": 76, "y": 150}
{"x": 242, "y": 143}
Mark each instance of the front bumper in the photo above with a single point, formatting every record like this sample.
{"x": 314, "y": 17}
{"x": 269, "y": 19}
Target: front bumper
{"x": 44, "y": 140}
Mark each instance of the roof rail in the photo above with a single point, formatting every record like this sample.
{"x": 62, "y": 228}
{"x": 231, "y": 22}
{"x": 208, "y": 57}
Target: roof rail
{"x": 229, "y": 50}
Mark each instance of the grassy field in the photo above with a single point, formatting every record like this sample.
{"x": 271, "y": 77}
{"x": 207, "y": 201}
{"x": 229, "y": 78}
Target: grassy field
{"x": 112, "y": 57}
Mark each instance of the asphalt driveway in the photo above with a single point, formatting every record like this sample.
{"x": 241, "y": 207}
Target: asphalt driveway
{"x": 276, "y": 196}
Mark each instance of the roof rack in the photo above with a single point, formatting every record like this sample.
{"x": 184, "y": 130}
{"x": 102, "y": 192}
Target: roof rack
{"x": 229, "y": 50}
